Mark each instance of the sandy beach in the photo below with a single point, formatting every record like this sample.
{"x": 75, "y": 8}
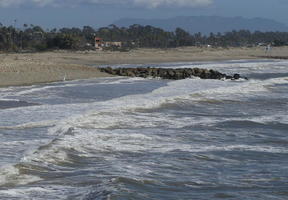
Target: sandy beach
{"x": 35, "y": 68}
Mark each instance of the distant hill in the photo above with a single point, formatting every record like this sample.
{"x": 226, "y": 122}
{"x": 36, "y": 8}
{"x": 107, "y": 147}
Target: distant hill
{"x": 207, "y": 24}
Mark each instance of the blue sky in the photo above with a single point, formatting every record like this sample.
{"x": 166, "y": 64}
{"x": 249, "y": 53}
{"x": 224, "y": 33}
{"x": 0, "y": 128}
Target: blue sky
{"x": 97, "y": 13}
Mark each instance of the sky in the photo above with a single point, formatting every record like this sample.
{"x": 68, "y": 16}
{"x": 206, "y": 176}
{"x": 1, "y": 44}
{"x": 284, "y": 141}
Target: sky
{"x": 98, "y": 13}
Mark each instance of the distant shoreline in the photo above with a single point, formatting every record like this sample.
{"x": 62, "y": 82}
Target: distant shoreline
{"x": 35, "y": 68}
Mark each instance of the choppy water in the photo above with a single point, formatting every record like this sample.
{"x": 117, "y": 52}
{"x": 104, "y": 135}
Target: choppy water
{"x": 131, "y": 138}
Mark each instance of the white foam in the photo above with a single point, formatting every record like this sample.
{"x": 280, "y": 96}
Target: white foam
{"x": 105, "y": 120}
{"x": 5, "y": 100}
{"x": 31, "y": 125}
{"x": 275, "y": 66}
{"x": 236, "y": 91}
{"x": 89, "y": 142}
{"x": 189, "y": 89}
{"x": 41, "y": 192}
{"x": 48, "y": 156}
{"x": 121, "y": 80}
{"x": 118, "y": 113}
{"x": 23, "y": 193}
{"x": 102, "y": 114}
{"x": 27, "y": 90}
{"x": 278, "y": 118}
{"x": 252, "y": 148}
{"x": 10, "y": 175}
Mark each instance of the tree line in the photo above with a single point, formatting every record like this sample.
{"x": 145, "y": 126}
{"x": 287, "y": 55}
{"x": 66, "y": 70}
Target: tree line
{"x": 35, "y": 38}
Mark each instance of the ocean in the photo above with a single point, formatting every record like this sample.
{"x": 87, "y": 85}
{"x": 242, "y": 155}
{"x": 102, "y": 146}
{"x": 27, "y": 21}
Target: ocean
{"x": 124, "y": 138}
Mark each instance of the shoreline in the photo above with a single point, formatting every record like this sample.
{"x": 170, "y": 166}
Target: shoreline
{"x": 19, "y": 69}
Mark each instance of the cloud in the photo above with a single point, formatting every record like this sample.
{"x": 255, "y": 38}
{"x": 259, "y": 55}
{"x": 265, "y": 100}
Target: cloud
{"x": 179, "y": 3}
{"x": 143, "y": 3}
{"x": 6, "y": 3}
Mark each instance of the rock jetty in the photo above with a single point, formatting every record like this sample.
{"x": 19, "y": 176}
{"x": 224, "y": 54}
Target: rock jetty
{"x": 275, "y": 57}
{"x": 167, "y": 73}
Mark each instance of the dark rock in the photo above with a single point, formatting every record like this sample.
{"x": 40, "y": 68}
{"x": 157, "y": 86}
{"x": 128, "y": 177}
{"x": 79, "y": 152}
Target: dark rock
{"x": 174, "y": 74}
{"x": 236, "y": 76}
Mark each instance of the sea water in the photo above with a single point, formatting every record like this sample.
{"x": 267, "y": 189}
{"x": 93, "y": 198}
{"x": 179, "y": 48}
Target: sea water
{"x": 133, "y": 138}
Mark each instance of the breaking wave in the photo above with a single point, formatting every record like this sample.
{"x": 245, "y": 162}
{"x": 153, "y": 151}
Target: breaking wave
{"x": 85, "y": 129}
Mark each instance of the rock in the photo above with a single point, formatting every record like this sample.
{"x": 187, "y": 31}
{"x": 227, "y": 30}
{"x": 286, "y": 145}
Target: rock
{"x": 174, "y": 74}
{"x": 236, "y": 76}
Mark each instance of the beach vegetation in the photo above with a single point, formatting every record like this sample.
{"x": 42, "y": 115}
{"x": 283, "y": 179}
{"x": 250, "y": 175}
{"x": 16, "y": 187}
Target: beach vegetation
{"x": 35, "y": 38}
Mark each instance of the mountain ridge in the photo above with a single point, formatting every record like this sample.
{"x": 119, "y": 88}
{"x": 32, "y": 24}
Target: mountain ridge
{"x": 207, "y": 24}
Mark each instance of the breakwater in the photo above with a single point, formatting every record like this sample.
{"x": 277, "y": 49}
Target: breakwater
{"x": 168, "y": 73}
{"x": 275, "y": 57}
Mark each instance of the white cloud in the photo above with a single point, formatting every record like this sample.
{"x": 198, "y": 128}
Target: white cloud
{"x": 181, "y": 3}
{"x": 6, "y": 3}
{"x": 144, "y": 3}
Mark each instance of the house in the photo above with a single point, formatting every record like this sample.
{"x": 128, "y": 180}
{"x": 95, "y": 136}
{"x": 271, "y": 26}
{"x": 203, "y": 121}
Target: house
{"x": 113, "y": 44}
{"x": 100, "y": 44}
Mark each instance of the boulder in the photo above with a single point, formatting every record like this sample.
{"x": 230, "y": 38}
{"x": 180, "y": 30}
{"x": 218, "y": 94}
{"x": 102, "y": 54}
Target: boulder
{"x": 174, "y": 74}
{"x": 236, "y": 76}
